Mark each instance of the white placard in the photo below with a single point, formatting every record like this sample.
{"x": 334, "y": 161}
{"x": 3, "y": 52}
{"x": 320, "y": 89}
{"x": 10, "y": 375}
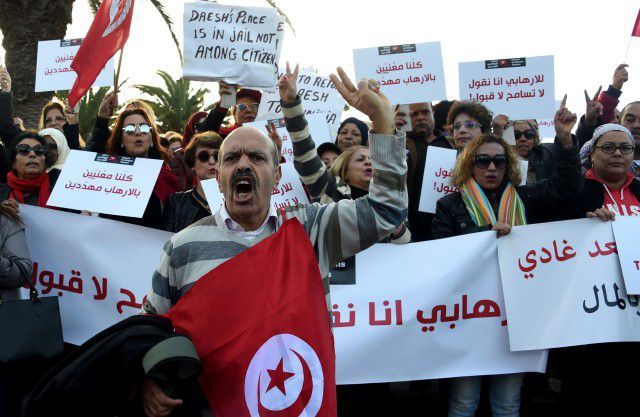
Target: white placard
{"x": 524, "y": 171}
{"x": 53, "y": 68}
{"x": 443, "y": 321}
{"x": 235, "y": 44}
{"x": 563, "y": 286}
{"x": 99, "y": 269}
{"x": 626, "y": 230}
{"x": 101, "y": 278}
{"x": 436, "y": 182}
{"x": 118, "y": 185}
{"x": 289, "y": 191}
{"x": 546, "y": 127}
{"x": 520, "y": 88}
{"x": 409, "y": 73}
{"x": 318, "y": 129}
{"x": 318, "y": 95}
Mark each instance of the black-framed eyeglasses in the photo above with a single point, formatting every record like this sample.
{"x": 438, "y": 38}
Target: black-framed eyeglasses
{"x": 609, "y": 148}
{"x": 244, "y": 107}
{"x": 204, "y": 156}
{"x": 24, "y": 149}
{"x": 528, "y": 134}
{"x": 131, "y": 129}
{"x": 483, "y": 161}
{"x": 468, "y": 124}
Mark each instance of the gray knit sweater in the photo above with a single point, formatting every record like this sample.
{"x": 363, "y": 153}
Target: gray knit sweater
{"x": 336, "y": 231}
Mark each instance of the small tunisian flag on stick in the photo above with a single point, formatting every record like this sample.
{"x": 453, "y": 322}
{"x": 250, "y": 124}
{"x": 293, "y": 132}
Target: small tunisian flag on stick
{"x": 108, "y": 33}
{"x": 260, "y": 324}
{"x": 636, "y": 27}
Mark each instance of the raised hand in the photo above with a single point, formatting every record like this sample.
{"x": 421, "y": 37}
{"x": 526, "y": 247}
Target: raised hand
{"x": 274, "y": 136}
{"x": 499, "y": 123}
{"x": 368, "y": 99}
{"x": 108, "y": 105}
{"x": 71, "y": 113}
{"x": 5, "y": 80}
{"x": 594, "y": 108}
{"x": 620, "y": 76}
{"x": 287, "y": 85}
{"x": 564, "y": 121}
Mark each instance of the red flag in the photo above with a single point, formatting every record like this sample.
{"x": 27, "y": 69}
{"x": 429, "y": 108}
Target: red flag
{"x": 108, "y": 33}
{"x": 261, "y": 328}
{"x": 636, "y": 27}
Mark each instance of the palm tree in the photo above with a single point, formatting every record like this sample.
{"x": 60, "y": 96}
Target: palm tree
{"x": 175, "y": 103}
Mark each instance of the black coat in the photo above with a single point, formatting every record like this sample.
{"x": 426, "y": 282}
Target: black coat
{"x": 182, "y": 210}
{"x": 547, "y": 200}
{"x": 591, "y": 197}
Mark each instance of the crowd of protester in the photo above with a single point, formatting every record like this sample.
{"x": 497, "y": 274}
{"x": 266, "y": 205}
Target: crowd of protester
{"x": 591, "y": 173}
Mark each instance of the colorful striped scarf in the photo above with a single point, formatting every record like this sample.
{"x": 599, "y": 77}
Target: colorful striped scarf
{"x": 511, "y": 209}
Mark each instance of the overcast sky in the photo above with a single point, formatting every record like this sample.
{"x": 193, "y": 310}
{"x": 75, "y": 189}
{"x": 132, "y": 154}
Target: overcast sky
{"x": 588, "y": 38}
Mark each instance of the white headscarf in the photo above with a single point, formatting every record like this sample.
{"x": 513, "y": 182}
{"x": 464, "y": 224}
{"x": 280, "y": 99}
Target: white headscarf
{"x": 61, "y": 143}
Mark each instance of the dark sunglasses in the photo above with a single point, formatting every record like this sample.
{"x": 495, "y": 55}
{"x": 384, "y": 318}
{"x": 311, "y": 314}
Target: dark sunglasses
{"x": 204, "y": 156}
{"x": 24, "y": 149}
{"x": 528, "y": 134}
{"x": 131, "y": 129}
{"x": 244, "y": 107}
{"x": 625, "y": 148}
{"x": 483, "y": 161}
{"x": 468, "y": 124}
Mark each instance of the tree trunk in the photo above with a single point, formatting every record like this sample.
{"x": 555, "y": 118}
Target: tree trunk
{"x": 23, "y": 23}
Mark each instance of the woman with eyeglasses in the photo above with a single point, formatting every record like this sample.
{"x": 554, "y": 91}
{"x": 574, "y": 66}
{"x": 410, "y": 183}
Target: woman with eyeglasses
{"x": 135, "y": 135}
{"x": 487, "y": 174}
{"x": 28, "y": 181}
{"x": 184, "y": 208}
{"x": 468, "y": 120}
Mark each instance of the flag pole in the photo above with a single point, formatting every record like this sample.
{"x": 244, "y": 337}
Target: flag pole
{"x": 628, "y": 47}
{"x": 117, "y": 77}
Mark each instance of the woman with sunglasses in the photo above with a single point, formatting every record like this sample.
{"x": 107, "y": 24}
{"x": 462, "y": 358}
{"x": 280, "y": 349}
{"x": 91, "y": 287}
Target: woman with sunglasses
{"x": 487, "y": 173}
{"x": 28, "y": 181}
{"x": 187, "y": 207}
{"x": 135, "y": 135}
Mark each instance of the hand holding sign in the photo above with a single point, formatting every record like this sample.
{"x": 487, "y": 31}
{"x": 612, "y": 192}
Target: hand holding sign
{"x": 108, "y": 105}
{"x": 594, "y": 108}
{"x": 368, "y": 99}
{"x": 5, "y": 80}
{"x": 564, "y": 121}
{"x": 620, "y": 76}
{"x": 287, "y": 86}
{"x": 603, "y": 214}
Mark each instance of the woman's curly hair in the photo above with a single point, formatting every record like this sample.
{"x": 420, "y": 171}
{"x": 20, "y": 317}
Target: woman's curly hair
{"x": 463, "y": 170}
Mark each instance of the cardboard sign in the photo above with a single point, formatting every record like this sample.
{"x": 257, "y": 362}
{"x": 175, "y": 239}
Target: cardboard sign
{"x": 235, "y": 44}
{"x": 520, "y": 88}
{"x": 289, "y": 191}
{"x": 318, "y": 95}
{"x": 563, "y": 287}
{"x": 410, "y": 73}
{"x": 436, "y": 181}
{"x": 318, "y": 129}
{"x": 118, "y": 185}
{"x": 53, "y": 68}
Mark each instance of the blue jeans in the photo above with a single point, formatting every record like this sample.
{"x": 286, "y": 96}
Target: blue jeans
{"x": 504, "y": 395}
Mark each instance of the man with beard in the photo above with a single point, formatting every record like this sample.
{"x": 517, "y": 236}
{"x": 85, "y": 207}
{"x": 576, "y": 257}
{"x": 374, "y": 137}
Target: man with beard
{"x": 248, "y": 171}
{"x": 421, "y": 136}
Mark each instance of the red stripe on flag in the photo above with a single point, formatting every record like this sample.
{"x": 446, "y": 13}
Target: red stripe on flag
{"x": 636, "y": 27}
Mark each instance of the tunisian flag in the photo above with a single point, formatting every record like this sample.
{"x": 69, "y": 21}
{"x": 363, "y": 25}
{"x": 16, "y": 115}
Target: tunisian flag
{"x": 108, "y": 33}
{"x": 261, "y": 328}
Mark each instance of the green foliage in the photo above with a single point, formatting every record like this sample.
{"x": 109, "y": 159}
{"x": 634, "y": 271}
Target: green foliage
{"x": 88, "y": 112}
{"x": 174, "y": 103}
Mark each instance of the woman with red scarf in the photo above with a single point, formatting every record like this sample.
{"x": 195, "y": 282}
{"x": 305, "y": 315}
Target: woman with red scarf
{"x": 28, "y": 182}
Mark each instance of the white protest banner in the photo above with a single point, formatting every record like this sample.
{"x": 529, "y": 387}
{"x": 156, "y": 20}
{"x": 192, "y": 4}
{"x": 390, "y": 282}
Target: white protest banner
{"x": 318, "y": 129}
{"x": 100, "y": 269}
{"x": 563, "y": 287}
{"x": 101, "y": 278}
{"x": 546, "y": 127}
{"x": 520, "y": 88}
{"x": 235, "y": 44}
{"x": 436, "y": 182}
{"x": 626, "y": 230}
{"x": 53, "y": 67}
{"x": 441, "y": 321}
{"x": 119, "y": 185}
{"x": 289, "y": 191}
{"x": 409, "y": 73}
{"x": 318, "y": 95}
